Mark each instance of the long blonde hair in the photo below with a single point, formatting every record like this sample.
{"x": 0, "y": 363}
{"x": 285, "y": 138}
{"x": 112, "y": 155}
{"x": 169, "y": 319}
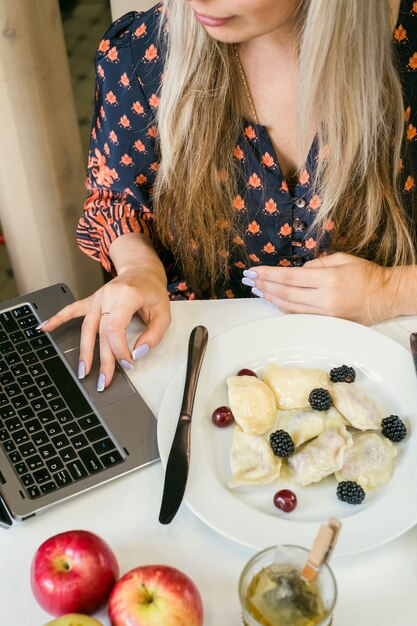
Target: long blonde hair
{"x": 349, "y": 91}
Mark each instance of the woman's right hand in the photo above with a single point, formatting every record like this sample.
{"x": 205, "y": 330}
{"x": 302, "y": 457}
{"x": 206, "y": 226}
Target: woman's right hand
{"x": 137, "y": 289}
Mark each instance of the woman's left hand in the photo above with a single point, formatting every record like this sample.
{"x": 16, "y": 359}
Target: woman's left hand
{"x": 340, "y": 285}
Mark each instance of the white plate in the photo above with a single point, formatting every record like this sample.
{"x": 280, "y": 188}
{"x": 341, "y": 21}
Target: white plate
{"x": 247, "y": 514}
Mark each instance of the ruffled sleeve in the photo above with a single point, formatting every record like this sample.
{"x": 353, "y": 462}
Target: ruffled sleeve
{"x": 122, "y": 159}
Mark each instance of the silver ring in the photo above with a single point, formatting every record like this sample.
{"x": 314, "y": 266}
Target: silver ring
{"x": 105, "y": 313}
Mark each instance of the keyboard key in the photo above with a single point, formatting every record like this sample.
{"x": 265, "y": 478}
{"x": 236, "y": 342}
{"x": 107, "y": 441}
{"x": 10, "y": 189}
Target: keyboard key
{"x": 88, "y": 421}
{"x": 25, "y": 380}
{"x": 20, "y": 436}
{"x": 7, "y": 411}
{"x": 12, "y": 390}
{"x": 8, "y": 322}
{"x": 39, "y": 404}
{"x": 43, "y": 381}
{"x": 13, "y": 423}
{"x": 40, "y": 438}
{"x": 50, "y": 393}
{"x": 77, "y": 470}
{"x": 33, "y": 426}
{"x": 36, "y": 369}
{"x": 21, "y": 468}
{"x": 6, "y": 347}
{"x": 33, "y": 491}
{"x": 23, "y": 348}
{"x": 16, "y": 337}
{"x": 57, "y": 405}
{"x": 67, "y": 454}
{"x": 62, "y": 478}
{"x": 19, "y": 401}
{"x": 27, "y": 449}
{"x": 48, "y": 487}
{"x": 3, "y": 366}
{"x": 15, "y": 457}
{"x": 9, "y": 445}
{"x": 18, "y": 369}
{"x": 27, "y": 480}
{"x": 64, "y": 416}
{"x": 53, "y": 428}
{"x": 26, "y": 413}
{"x": 71, "y": 429}
{"x": 13, "y": 358}
{"x": 41, "y": 341}
{"x": 46, "y": 353}
{"x": 27, "y": 322}
{"x": 111, "y": 458}
{"x": 29, "y": 359}
{"x": 90, "y": 460}
{"x": 48, "y": 451}
{"x": 94, "y": 434}
{"x": 60, "y": 441}
{"x": 3, "y": 434}
{"x": 6, "y": 378}
{"x": 46, "y": 416}
{"x": 21, "y": 311}
{"x": 31, "y": 392}
{"x": 42, "y": 475}
{"x": 54, "y": 464}
{"x": 29, "y": 333}
{"x": 79, "y": 441}
{"x": 34, "y": 462}
{"x": 68, "y": 387}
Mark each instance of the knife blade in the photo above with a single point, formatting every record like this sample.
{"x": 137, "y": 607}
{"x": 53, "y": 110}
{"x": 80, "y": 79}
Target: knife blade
{"x": 413, "y": 346}
{"x": 176, "y": 472}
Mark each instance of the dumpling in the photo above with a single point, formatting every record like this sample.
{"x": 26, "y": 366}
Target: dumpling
{"x": 292, "y": 386}
{"x": 304, "y": 425}
{"x": 355, "y": 406}
{"x": 321, "y": 457}
{"x": 252, "y": 404}
{"x": 369, "y": 461}
{"x": 252, "y": 460}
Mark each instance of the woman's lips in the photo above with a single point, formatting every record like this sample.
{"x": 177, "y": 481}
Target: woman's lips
{"x": 206, "y": 20}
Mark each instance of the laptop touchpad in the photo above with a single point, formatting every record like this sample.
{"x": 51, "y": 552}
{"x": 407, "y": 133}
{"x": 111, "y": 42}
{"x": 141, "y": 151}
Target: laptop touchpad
{"x": 120, "y": 388}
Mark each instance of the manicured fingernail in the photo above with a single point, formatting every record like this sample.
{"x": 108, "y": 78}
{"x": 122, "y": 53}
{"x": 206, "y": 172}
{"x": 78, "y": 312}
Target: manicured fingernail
{"x": 101, "y": 382}
{"x": 41, "y": 325}
{"x": 126, "y": 364}
{"x": 257, "y": 292}
{"x": 249, "y": 282}
{"x": 250, "y": 273}
{"x": 81, "y": 370}
{"x": 140, "y": 351}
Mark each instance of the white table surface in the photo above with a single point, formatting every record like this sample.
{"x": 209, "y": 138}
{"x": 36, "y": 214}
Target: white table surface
{"x": 376, "y": 588}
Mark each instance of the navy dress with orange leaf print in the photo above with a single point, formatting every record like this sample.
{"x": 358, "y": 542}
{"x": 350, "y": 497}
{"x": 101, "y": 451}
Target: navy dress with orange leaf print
{"x": 123, "y": 159}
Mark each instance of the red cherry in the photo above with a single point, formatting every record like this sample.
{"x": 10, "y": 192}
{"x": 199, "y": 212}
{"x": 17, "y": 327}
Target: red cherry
{"x": 286, "y": 500}
{"x": 247, "y": 372}
{"x": 222, "y": 416}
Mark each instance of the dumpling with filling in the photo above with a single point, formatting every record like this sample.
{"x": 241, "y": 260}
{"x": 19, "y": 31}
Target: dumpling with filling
{"x": 303, "y": 425}
{"x": 252, "y": 403}
{"x": 292, "y": 385}
{"x": 355, "y": 406}
{"x": 321, "y": 457}
{"x": 252, "y": 460}
{"x": 369, "y": 461}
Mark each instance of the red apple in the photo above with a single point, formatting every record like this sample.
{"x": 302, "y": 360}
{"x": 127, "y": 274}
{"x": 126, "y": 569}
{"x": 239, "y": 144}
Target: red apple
{"x": 155, "y": 595}
{"x": 73, "y": 572}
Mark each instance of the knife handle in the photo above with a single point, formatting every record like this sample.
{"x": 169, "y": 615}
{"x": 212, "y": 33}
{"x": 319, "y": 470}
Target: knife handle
{"x": 196, "y": 349}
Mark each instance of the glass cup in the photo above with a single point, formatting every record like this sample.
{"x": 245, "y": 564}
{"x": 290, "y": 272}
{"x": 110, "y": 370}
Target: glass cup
{"x": 272, "y": 593}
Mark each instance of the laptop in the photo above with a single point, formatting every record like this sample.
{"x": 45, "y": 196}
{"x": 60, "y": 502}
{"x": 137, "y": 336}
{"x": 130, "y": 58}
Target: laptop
{"x": 58, "y": 436}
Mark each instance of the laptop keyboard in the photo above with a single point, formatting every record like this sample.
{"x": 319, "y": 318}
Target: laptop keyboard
{"x": 49, "y": 431}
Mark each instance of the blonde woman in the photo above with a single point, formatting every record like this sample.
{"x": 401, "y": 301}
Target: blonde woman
{"x": 251, "y": 148}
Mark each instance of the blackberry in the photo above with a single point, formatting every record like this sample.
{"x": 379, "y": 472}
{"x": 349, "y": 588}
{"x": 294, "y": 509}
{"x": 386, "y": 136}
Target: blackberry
{"x": 281, "y": 443}
{"x": 350, "y": 492}
{"x": 342, "y": 374}
{"x": 320, "y": 399}
{"x": 393, "y": 428}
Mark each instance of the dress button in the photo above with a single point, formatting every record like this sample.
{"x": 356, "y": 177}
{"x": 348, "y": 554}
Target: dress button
{"x": 298, "y": 225}
{"x": 300, "y": 203}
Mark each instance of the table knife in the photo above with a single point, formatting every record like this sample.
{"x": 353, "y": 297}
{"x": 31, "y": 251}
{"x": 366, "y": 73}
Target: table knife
{"x": 176, "y": 472}
{"x": 413, "y": 346}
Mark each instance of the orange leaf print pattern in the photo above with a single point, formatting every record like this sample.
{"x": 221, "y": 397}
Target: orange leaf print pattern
{"x": 124, "y": 80}
{"x": 267, "y": 160}
{"x": 411, "y": 132}
{"x": 285, "y": 230}
{"x": 315, "y": 203}
{"x": 238, "y": 153}
{"x": 328, "y": 225}
{"x": 140, "y": 31}
{"x": 284, "y": 263}
{"x": 104, "y": 45}
{"x": 141, "y": 179}
{"x": 126, "y": 160}
{"x": 139, "y": 146}
{"x": 269, "y": 248}
{"x": 270, "y": 206}
{"x": 254, "y": 258}
{"x": 412, "y": 63}
{"x": 113, "y": 137}
{"x": 151, "y": 53}
{"x": 125, "y": 122}
{"x": 137, "y": 108}
{"x": 254, "y": 228}
{"x": 238, "y": 203}
{"x": 152, "y": 131}
{"x": 250, "y": 133}
{"x": 310, "y": 244}
{"x": 304, "y": 177}
{"x": 102, "y": 174}
{"x": 238, "y": 241}
{"x": 254, "y": 181}
{"x": 407, "y": 114}
{"x": 154, "y": 101}
{"x": 113, "y": 55}
{"x": 240, "y": 265}
{"x": 400, "y": 34}
{"x": 111, "y": 98}
{"x": 409, "y": 183}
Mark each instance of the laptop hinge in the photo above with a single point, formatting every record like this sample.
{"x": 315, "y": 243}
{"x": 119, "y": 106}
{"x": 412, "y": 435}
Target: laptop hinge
{"x": 5, "y": 517}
